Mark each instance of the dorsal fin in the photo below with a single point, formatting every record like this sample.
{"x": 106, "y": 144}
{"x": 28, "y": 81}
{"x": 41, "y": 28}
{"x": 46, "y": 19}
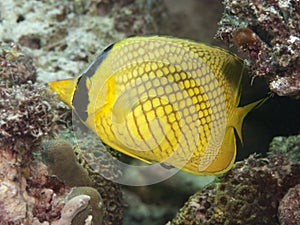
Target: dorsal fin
{"x": 233, "y": 72}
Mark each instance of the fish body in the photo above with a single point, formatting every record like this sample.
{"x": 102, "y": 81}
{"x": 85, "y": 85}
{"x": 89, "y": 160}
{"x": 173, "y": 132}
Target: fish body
{"x": 163, "y": 99}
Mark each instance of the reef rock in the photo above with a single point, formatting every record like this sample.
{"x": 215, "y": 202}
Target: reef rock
{"x": 15, "y": 202}
{"x": 248, "y": 194}
{"x": 75, "y": 170}
{"x": 269, "y": 32}
{"x": 289, "y": 207}
{"x": 15, "y": 67}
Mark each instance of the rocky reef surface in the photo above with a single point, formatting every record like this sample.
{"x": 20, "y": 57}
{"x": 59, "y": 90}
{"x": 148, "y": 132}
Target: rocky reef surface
{"x": 43, "y": 182}
{"x": 62, "y": 37}
{"x": 45, "y": 178}
{"x": 268, "y": 31}
{"x": 256, "y": 191}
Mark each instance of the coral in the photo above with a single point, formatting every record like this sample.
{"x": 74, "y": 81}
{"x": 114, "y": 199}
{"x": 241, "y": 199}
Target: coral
{"x": 269, "y": 31}
{"x": 72, "y": 208}
{"x": 92, "y": 157}
{"x": 27, "y": 193}
{"x": 60, "y": 37}
{"x": 289, "y": 207}
{"x": 235, "y": 199}
{"x": 92, "y": 153}
{"x": 286, "y": 145}
{"x": 62, "y": 162}
{"x": 26, "y": 116}
{"x": 28, "y": 111}
{"x": 15, "y": 203}
{"x": 94, "y": 208}
{"x": 47, "y": 207}
{"x": 112, "y": 199}
{"x": 47, "y": 192}
{"x": 15, "y": 67}
{"x": 59, "y": 156}
{"x": 241, "y": 196}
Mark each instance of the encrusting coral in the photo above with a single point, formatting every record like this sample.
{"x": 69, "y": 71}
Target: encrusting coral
{"x": 62, "y": 162}
{"x": 269, "y": 31}
{"x": 60, "y": 158}
{"x": 28, "y": 113}
{"x": 248, "y": 194}
{"x": 286, "y": 145}
{"x": 91, "y": 156}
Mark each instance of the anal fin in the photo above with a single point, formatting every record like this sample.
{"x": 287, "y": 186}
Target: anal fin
{"x": 226, "y": 156}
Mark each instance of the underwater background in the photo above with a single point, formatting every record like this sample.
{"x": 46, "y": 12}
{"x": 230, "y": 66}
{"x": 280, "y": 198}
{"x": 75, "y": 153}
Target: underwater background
{"x": 44, "y": 174}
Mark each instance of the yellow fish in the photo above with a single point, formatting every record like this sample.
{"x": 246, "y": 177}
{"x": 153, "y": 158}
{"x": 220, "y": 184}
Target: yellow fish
{"x": 163, "y": 99}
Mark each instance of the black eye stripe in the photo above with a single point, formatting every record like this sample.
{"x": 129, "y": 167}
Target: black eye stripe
{"x": 80, "y": 100}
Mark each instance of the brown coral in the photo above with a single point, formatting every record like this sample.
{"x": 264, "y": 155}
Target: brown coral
{"x": 62, "y": 162}
{"x": 27, "y": 194}
{"x": 26, "y": 116}
{"x": 28, "y": 113}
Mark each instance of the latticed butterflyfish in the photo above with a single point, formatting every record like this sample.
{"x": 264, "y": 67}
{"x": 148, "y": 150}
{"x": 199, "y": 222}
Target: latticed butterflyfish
{"x": 163, "y": 99}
